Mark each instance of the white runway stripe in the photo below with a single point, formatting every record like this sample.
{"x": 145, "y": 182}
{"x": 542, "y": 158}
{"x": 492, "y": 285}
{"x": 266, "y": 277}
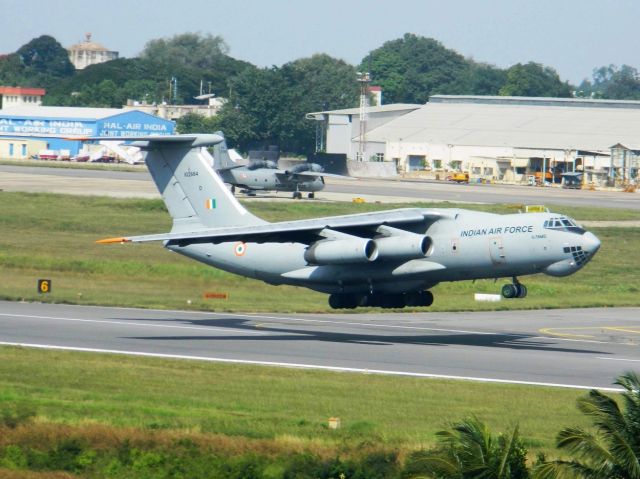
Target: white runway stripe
{"x": 307, "y": 366}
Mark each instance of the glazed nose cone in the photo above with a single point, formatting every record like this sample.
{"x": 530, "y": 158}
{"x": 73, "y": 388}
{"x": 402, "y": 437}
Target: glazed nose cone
{"x": 590, "y": 243}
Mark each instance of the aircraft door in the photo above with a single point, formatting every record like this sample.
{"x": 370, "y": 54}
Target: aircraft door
{"x": 496, "y": 250}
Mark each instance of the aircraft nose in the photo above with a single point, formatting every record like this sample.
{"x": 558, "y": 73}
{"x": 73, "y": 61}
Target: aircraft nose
{"x": 590, "y": 243}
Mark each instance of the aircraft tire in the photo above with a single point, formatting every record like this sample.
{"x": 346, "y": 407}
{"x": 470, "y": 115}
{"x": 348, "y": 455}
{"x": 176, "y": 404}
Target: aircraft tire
{"x": 510, "y": 291}
{"x": 393, "y": 301}
{"x": 427, "y": 298}
{"x": 343, "y": 301}
{"x": 311, "y": 195}
{"x": 522, "y": 291}
{"x": 297, "y": 195}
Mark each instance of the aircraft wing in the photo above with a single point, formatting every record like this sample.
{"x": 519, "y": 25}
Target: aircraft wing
{"x": 305, "y": 231}
{"x": 314, "y": 174}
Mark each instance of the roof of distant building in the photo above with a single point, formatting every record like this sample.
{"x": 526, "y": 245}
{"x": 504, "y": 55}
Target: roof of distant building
{"x": 18, "y": 90}
{"x": 61, "y": 112}
{"x": 554, "y": 123}
{"x": 87, "y": 44}
{"x": 371, "y": 109}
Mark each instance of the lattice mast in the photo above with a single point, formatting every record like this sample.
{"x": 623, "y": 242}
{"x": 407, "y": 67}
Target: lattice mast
{"x": 364, "y": 78}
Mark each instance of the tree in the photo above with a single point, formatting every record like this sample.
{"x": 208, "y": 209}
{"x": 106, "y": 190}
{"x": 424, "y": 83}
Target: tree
{"x": 187, "y": 49}
{"x": 534, "y": 79}
{"x": 196, "y": 123}
{"x": 412, "y": 68}
{"x": 42, "y": 62}
{"x": 613, "y": 450}
{"x": 469, "y": 451}
{"x": 46, "y": 56}
{"x": 486, "y": 79}
{"x": 612, "y": 82}
{"x": 267, "y": 106}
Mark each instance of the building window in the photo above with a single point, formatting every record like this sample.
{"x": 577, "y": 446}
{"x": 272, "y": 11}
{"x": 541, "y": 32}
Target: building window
{"x": 10, "y": 149}
{"x": 437, "y": 164}
{"x": 24, "y": 149}
{"x": 378, "y": 157}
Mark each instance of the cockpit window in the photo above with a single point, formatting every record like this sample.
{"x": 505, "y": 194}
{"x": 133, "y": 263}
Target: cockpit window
{"x": 563, "y": 224}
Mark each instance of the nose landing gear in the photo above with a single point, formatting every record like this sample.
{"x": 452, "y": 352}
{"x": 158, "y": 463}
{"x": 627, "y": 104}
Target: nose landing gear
{"x": 514, "y": 290}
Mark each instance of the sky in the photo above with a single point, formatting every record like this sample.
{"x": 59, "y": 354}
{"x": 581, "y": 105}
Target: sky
{"x": 571, "y": 36}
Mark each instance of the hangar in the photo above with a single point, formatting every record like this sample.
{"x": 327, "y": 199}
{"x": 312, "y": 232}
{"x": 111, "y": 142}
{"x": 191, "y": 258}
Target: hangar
{"x": 28, "y": 129}
{"x": 510, "y": 139}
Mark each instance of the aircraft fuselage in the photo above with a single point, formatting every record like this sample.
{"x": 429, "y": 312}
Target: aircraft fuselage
{"x": 467, "y": 245}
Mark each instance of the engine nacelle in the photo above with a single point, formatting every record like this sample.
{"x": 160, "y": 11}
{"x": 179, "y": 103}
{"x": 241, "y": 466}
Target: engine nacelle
{"x": 403, "y": 246}
{"x": 340, "y": 251}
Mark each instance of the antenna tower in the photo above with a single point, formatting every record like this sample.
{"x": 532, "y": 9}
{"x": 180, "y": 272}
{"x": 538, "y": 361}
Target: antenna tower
{"x": 364, "y": 78}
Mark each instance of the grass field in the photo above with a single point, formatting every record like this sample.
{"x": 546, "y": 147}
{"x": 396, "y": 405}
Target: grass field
{"x": 109, "y": 401}
{"x": 288, "y": 406}
{"x": 53, "y": 236}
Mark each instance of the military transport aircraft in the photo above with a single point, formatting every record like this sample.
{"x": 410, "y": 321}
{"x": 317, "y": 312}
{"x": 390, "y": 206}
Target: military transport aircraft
{"x": 388, "y": 258}
{"x": 264, "y": 175}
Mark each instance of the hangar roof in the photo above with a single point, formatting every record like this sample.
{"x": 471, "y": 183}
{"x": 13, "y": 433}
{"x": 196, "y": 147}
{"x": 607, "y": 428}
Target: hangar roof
{"x": 538, "y": 123}
{"x": 371, "y": 109}
{"x": 79, "y": 113}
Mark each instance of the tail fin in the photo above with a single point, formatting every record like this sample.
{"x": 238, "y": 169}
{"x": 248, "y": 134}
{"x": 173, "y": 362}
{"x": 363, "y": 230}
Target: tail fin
{"x": 221, "y": 158}
{"x": 194, "y": 194}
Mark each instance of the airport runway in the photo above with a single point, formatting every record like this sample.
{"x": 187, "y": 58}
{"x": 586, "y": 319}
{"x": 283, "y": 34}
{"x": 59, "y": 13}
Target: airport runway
{"x": 568, "y": 348}
{"x": 139, "y": 184}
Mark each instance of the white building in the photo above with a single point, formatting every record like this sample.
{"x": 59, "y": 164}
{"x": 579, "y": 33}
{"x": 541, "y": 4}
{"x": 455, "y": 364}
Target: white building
{"x": 88, "y": 53}
{"x": 15, "y": 96}
{"x": 511, "y": 139}
{"x": 174, "y": 112}
{"x": 342, "y": 128}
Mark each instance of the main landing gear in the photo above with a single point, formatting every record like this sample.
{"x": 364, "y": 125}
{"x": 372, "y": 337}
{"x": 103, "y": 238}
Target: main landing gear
{"x": 514, "y": 290}
{"x": 398, "y": 300}
{"x": 298, "y": 196}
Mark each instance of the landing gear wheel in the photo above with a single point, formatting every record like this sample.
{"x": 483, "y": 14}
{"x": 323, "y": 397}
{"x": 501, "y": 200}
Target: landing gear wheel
{"x": 510, "y": 291}
{"x": 343, "y": 301}
{"x": 426, "y": 297}
{"x": 311, "y": 195}
{"x": 522, "y": 291}
{"x": 418, "y": 298}
{"x": 514, "y": 290}
{"x": 393, "y": 301}
{"x": 297, "y": 195}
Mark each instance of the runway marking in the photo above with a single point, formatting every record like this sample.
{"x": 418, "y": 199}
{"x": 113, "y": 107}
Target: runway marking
{"x": 554, "y": 331}
{"x": 307, "y": 366}
{"x": 624, "y": 330}
{"x": 127, "y": 323}
{"x": 294, "y": 319}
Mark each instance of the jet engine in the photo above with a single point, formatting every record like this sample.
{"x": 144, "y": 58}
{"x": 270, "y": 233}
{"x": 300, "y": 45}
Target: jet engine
{"x": 340, "y": 251}
{"x": 400, "y": 244}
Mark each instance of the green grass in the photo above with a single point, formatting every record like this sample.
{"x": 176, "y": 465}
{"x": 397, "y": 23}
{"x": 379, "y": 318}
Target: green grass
{"x": 270, "y": 403}
{"x": 53, "y": 236}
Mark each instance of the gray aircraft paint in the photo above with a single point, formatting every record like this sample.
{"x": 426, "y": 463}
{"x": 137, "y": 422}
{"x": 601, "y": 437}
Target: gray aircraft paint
{"x": 363, "y": 254}
{"x": 263, "y": 179}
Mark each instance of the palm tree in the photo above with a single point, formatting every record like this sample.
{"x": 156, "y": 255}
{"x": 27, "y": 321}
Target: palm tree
{"x": 469, "y": 451}
{"x": 613, "y": 451}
